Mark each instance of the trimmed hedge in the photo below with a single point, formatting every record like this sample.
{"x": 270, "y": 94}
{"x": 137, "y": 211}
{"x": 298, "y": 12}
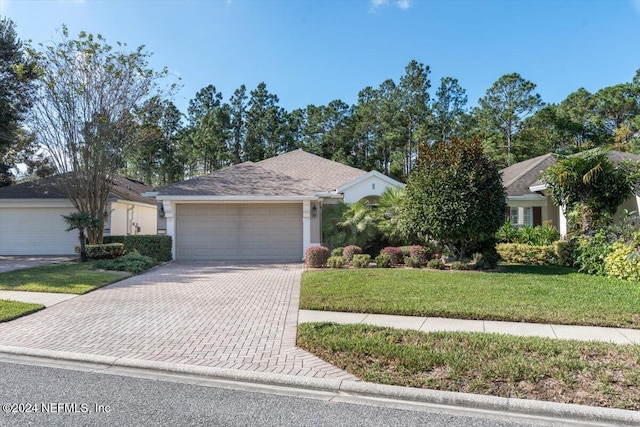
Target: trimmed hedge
{"x": 383, "y": 260}
{"x": 360, "y": 260}
{"x": 316, "y": 256}
{"x": 623, "y": 262}
{"x": 520, "y": 253}
{"x": 349, "y": 252}
{"x": 335, "y": 262}
{"x": 156, "y": 246}
{"x": 394, "y": 253}
{"x": 110, "y": 250}
{"x": 421, "y": 254}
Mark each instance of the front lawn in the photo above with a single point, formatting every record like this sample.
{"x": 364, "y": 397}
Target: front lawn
{"x": 587, "y": 373}
{"x": 68, "y": 278}
{"x": 12, "y": 309}
{"x": 521, "y": 293}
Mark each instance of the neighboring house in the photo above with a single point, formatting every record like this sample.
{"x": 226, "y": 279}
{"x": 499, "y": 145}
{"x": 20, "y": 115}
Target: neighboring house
{"x": 31, "y": 212}
{"x": 269, "y": 210}
{"x": 527, "y": 199}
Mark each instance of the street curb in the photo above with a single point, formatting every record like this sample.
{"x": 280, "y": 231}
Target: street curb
{"x": 446, "y": 398}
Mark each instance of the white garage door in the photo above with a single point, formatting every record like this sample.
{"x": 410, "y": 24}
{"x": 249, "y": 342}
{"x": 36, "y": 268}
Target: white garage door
{"x": 239, "y": 232}
{"x": 35, "y": 231}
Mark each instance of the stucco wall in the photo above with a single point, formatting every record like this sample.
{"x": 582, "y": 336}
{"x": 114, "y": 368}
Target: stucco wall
{"x": 371, "y": 186}
{"x": 142, "y": 216}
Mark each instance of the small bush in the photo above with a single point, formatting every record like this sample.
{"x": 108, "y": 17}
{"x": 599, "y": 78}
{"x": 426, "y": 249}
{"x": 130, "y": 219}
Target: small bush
{"x": 335, "y": 262}
{"x": 383, "y": 261}
{"x": 337, "y": 251}
{"x": 564, "y": 250}
{"x": 436, "y": 264}
{"x": 488, "y": 260}
{"x": 156, "y": 246}
{"x": 406, "y": 251}
{"x": 624, "y": 261}
{"x": 520, "y": 253}
{"x": 411, "y": 262}
{"x": 349, "y": 252}
{"x": 459, "y": 265}
{"x": 590, "y": 253}
{"x": 110, "y": 250}
{"x": 316, "y": 256}
{"x": 421, "y": 254}
{"x": 394, "y": 253}
{"x": 361, "y": 260}
{"x": 132, "y": 262}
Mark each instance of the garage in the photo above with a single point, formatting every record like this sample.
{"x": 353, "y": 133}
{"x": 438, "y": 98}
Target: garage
{"x": 35, "y": 231}
{"x": 243, "y": 232}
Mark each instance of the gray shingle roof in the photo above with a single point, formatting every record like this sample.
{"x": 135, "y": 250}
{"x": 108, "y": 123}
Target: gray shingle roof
{"x": 518, "y": 177}
{"x": 48, "y": 188}
{"x": 296, "y": 173}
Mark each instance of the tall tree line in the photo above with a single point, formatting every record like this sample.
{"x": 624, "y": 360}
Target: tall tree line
{"x": 381, "y": 131}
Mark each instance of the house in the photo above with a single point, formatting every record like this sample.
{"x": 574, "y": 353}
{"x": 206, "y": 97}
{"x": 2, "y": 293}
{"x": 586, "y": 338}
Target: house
{"x": 528, "y": 202}
{"x": 31, "y": 212}
{"x": 268, "y": 210}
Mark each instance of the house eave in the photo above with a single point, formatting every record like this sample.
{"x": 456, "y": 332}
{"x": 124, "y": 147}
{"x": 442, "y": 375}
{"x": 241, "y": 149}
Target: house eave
{"x": 235, "y": 198}
{"x": 540, "y": 187}
{"x": 367, "y": 175}
{"x": 527, "y": 197}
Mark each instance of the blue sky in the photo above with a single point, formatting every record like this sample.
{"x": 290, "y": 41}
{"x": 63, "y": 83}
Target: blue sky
{"x": 311, "y": 52}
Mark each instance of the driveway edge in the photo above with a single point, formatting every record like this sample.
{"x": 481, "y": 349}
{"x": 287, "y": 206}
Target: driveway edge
{"x": 514, "y": 406}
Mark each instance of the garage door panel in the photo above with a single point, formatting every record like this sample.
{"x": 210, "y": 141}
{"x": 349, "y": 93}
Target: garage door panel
{"x": 35, "y": 231}
{"x": 239, "y": 231}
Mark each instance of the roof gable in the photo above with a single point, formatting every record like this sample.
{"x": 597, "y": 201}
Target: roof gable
{"x": 296, "y": 173}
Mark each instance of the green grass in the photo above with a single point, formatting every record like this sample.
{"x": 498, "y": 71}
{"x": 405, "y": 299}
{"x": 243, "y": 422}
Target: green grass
{"x": 12, "y": 309}
{"x": 588, "y": 373}
{"x": 69, "y": 278}
{"x": 522, "y": 294}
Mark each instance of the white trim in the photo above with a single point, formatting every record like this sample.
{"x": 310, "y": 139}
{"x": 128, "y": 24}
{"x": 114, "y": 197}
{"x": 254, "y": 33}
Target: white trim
{"x": 367, "y": 175}
{"x": 150, "y": 194}
{"x": 306, "y": 226}
{"x": 527, "y": 197}
{"x": 35, "y": 203}
{"x": 129, "y": 202}
{"x": 540, "y": 187}
{"x": 238, "y": 198}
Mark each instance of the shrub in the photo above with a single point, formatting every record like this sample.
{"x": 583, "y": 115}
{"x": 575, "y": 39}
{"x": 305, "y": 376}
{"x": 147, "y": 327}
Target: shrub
{"x": 394, "y": 253}
{"x": 436, "y": 264}
{"x": 406, "y": 251}
{"x": 411, "y": 262}
{"x": 421, "y": 254}
{"x": 519, "y": 253}
{"x": 337, "y": 251}
{"x": 624, "y": 260}
{"x": 335, "y": 262}
{"x": 131, "y": 262}
{"x": 564, "y": 250}
{"x": 590, "y": 253}
{"x": 361, "y": 260}
{"x": 459, "y": 265}
{"x": 487, "y": 260}
{"x": 110, "y": 250}
{"x": 507, "y": 233}
{"x": 316, "y": 256}
{"x": 349, "y": 252}
{"x": 383, "y": 261}
{"x": 155, "y": 246}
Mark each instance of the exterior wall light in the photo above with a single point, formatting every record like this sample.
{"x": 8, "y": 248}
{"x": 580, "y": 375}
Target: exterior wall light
{"x": 314, "y": 211}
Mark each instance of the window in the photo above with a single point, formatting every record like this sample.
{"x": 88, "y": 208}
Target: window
{"x": 521, "y": 216}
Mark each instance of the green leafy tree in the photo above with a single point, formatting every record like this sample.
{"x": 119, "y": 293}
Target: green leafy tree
{"x": 238, "y": 116}
{"x": 455, "y": 197}
{"x": 83, "y": 115}
{"x": 264, "y": 123}
{"x": 507, "y": 103}
{"x": 17, "y": 73}
{"x": 589, "y": 187}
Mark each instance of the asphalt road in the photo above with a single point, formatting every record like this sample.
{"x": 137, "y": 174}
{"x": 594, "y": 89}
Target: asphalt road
{"x": 44, "y": 395}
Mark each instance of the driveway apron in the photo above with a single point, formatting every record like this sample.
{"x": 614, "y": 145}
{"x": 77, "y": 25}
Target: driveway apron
{"x": 240, "y": 316}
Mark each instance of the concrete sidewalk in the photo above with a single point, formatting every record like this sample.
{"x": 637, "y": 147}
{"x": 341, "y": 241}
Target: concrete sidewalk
{"x": 45, "y": 298}
{"x": 433, "y": 324}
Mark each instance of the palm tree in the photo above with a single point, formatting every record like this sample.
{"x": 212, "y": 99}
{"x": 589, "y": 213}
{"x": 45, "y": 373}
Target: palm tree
{"x": 387, "y": 212}
{"x": 81, "y": 221}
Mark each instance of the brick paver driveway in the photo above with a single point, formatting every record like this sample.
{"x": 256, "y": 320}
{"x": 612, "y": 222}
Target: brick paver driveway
{"x": 226, "y": 316}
